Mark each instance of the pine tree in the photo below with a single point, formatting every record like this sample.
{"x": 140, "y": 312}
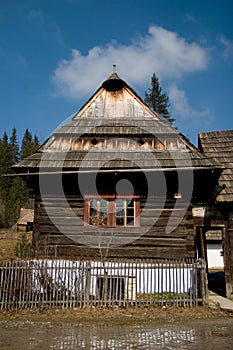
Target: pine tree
{"x": 158, "y": 101}
{"x": 14, "y": 147}
{"x": 17, "y": 198}
{"x": 2, "y": 184}
{"x": 26, "y": 145}
{"x": 5, "y": 163}
{"x": 13, "y": 190}
{"x": 5, "y": 182}
{"x": 29, "y": 144}
{"x": 36, "y": 143}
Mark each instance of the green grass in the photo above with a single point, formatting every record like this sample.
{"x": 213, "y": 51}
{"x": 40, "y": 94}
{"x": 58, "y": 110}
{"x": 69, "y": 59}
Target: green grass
{"x": 161, "y": 296}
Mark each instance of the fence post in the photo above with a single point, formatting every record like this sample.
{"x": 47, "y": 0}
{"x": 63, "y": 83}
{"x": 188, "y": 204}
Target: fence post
{"x": 88, "y": 283}
{"x": 204, "y": 283}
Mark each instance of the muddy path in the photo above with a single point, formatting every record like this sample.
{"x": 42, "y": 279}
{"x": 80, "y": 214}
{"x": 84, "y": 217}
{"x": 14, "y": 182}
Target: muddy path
{"x": 204, "y": 334}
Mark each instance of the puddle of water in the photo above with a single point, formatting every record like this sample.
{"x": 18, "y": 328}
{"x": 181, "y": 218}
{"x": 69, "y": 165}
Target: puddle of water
{"x": 45, "y": 336}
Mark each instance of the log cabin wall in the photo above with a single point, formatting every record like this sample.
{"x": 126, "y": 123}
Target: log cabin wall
{"x": 50, "y": 210}
{"x": 49, "y": 242}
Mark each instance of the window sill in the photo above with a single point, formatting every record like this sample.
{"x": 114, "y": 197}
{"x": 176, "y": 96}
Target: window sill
{"x": 119, "y": 229}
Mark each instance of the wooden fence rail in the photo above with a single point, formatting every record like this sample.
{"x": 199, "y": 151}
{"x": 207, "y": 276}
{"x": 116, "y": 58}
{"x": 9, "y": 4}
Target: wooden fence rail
{"x": 39, "y": 283}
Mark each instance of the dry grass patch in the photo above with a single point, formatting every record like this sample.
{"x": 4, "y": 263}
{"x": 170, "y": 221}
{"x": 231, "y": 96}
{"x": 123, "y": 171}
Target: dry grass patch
{"x": 8, "y": 241}
{"x": 114, "y": 315}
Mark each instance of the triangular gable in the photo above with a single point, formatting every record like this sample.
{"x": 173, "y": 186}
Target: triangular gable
{"x": 119, "y": 104}
{"x": 115, "y": 111}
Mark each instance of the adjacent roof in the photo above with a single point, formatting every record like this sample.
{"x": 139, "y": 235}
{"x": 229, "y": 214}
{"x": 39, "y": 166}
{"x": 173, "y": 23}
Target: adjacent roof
{"x": 25, "y": 216}
{"x": 116, "y": 129}
{"x": 219, "y": 146}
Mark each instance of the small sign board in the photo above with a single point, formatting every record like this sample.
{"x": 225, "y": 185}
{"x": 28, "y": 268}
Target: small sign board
{"x": 198, "y": 211}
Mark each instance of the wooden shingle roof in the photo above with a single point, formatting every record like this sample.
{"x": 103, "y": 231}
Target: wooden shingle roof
{"x": 116, "y": 129}
{"x": 25, "y": 216}
{"x": 219, "y": 146}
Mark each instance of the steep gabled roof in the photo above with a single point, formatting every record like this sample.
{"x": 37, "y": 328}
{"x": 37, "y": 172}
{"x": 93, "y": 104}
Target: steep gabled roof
{"x": 116, "y": 129}
{"x": 219, "y": 146}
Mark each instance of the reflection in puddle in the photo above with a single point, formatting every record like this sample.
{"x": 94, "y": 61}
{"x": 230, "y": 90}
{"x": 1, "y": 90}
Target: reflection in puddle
{"x": 135, "y": 339}
{"x": 44, "y": 336}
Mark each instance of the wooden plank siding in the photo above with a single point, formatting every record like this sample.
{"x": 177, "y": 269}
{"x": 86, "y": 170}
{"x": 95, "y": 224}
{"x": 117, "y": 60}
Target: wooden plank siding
{"x": 48, "y": 241}
{"x": 228, "y": 254}
{"x": 218, "y": 145}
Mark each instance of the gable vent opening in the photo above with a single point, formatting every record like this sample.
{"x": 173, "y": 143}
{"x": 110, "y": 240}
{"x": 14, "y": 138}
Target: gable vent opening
{"x": 94, "y": 141}
{"x": 141, "y": 142}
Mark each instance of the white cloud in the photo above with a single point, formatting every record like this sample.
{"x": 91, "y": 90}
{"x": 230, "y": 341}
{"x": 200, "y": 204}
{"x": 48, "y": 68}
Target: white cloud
{"x": 181, "y": 107}
{"x": 160, "y": 51}
{"x": 228, "y": 48}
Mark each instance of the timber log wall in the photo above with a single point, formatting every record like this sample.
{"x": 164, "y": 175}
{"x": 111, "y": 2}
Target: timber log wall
{"x": 49, "y": 241}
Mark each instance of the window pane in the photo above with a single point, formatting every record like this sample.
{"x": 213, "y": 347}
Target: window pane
{"x": 103, "y": 215}
{"x": 130, "y": 221}
{"x": 119, "y": 212}
{"x": 98, "y": 212}
{"x": 93, "y": 204}
{"x": 93, "y": 212}
{"x": 119, "y": 221}
{"x": 119, "y": 204}
{"x": 130, "y": 213}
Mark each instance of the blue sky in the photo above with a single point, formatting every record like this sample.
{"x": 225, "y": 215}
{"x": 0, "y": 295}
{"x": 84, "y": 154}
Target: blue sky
{"x": 54, "y": 54}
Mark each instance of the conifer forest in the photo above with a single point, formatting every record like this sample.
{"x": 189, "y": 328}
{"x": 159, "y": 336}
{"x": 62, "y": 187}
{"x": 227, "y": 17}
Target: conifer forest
{"x": 14, "y": 193}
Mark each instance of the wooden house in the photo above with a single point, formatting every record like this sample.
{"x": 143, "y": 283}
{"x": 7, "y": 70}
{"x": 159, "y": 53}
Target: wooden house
{"x": 25, "y": 220}
{"x": 118, "y": 181}
{"x": 219, "y": 146}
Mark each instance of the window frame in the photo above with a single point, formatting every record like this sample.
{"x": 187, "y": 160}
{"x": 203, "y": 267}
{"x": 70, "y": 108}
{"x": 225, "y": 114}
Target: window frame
{"x": 111, "y": 213}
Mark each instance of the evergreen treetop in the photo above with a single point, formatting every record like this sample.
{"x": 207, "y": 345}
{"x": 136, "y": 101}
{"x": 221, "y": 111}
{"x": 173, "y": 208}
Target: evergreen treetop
{"x": 156, "y": 100}
{"x": 13, "y": 190}
{"x": 29, "y": 144}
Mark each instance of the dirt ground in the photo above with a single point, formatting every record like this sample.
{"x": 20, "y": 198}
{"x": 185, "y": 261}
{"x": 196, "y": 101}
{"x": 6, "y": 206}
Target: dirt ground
{"x": 8, "y": 241}
{"x": 116, "y": 314}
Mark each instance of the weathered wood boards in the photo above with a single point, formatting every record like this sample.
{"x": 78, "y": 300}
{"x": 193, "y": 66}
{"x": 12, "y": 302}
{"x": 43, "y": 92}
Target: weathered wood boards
{"x": 123, "y": 282}
{"x": 48, "y": 240}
